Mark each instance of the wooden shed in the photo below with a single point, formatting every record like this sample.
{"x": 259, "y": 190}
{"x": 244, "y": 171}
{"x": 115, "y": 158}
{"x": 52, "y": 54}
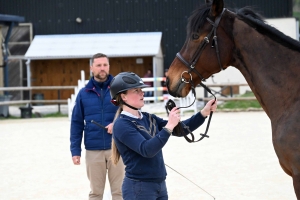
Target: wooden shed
{"x": 57, "y": 60}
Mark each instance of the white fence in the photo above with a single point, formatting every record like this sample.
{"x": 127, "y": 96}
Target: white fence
{"x": 183, "y": 101}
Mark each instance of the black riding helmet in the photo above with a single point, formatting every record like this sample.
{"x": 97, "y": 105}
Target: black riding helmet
{"x": 124, "y": 81}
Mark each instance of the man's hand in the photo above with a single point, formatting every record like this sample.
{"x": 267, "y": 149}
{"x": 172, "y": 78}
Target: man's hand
{"x": 109, "y": 128}
{"x": 76, "y": 160}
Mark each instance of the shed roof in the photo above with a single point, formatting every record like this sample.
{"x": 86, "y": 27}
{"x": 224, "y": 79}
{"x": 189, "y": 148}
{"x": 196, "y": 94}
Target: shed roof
{"x": 86, "y": 45}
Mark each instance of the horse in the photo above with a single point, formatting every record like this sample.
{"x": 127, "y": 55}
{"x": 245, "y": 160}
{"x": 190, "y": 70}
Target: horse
{"x": 218, "y": 38}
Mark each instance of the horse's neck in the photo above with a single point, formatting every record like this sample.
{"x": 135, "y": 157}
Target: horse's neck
{"x": 271, "y": 70}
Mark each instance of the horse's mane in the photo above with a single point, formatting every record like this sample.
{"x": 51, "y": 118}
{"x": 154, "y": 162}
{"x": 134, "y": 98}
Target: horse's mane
{"x": 256, "y": 21}
{"x": 246, "y": 14}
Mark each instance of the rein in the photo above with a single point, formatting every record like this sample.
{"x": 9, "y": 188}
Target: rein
{"x": 179, "y": 128}
{"x": 191, "y": 68}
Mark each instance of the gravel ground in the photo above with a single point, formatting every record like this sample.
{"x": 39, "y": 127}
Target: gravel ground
{"x": 237, "y": 161}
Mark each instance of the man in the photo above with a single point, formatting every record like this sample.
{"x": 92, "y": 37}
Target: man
{"x": 93, "y": 104}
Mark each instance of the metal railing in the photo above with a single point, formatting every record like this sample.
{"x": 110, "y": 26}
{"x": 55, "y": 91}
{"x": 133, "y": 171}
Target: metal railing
{"x": 155, "y": 97}
{"x": 30, "y": 101}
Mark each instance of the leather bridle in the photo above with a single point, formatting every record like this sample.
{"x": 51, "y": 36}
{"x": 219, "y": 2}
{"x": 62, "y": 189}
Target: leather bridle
{"x": 197, "y": 54}
{"x": 191, "y": 66}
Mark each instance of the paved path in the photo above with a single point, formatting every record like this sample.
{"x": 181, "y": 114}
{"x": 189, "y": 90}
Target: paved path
{"x": 237, "y": 162}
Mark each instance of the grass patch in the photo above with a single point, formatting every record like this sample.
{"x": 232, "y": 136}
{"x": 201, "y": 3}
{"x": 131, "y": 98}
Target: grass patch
{"x": 36, "y": 115}
{"x": 296, "y": 15}
{"x": 57, "y": 114}
{"x": 241, "y": 104}
{"x": 9, "y": 117}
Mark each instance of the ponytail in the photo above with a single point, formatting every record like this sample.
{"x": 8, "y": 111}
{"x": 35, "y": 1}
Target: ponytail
{"x": 115, "y": 156}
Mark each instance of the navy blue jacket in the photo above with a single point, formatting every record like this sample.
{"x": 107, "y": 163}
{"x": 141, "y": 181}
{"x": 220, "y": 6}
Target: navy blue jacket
{"x": 92, "y": 103}
{"x": 142, "y": 152}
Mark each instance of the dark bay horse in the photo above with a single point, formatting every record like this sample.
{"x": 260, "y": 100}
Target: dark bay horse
{"x": 269, "y": 60}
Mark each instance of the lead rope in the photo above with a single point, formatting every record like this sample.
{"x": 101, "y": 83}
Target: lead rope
{"x": 190, "y": 181}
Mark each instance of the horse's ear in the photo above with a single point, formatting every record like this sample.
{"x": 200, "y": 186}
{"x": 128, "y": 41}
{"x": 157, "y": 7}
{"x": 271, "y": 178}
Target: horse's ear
{"x": 216, "y": 7}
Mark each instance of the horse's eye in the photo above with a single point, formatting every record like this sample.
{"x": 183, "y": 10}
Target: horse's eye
{"x": 195, "y": 36}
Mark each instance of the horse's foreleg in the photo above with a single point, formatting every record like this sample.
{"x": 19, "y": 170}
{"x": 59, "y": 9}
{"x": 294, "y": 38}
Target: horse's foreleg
{"x": 296, "y": 182}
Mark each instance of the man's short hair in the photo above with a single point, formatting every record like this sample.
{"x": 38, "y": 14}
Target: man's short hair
{"x": 99, "y": 55}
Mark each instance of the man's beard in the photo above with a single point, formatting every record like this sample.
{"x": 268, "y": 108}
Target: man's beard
{"x": 102, "y": 76}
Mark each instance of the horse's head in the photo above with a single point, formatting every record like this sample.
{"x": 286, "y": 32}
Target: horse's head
{"x": 207, "y": 49}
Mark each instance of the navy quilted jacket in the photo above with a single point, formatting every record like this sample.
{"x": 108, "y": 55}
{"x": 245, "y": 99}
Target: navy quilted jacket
{"x": 92, "y": 103}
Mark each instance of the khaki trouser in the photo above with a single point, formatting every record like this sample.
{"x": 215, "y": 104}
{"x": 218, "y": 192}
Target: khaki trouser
{"x": 98, "y": 163}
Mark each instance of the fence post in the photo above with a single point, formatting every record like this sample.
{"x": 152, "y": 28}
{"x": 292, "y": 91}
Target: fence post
{"x": 58, "y": 96}
{"x": 82, "y": 76}
{"x": 69, "y": 107}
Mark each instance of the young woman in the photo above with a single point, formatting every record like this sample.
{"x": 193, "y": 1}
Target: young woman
{"x": 139, "y": 138}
